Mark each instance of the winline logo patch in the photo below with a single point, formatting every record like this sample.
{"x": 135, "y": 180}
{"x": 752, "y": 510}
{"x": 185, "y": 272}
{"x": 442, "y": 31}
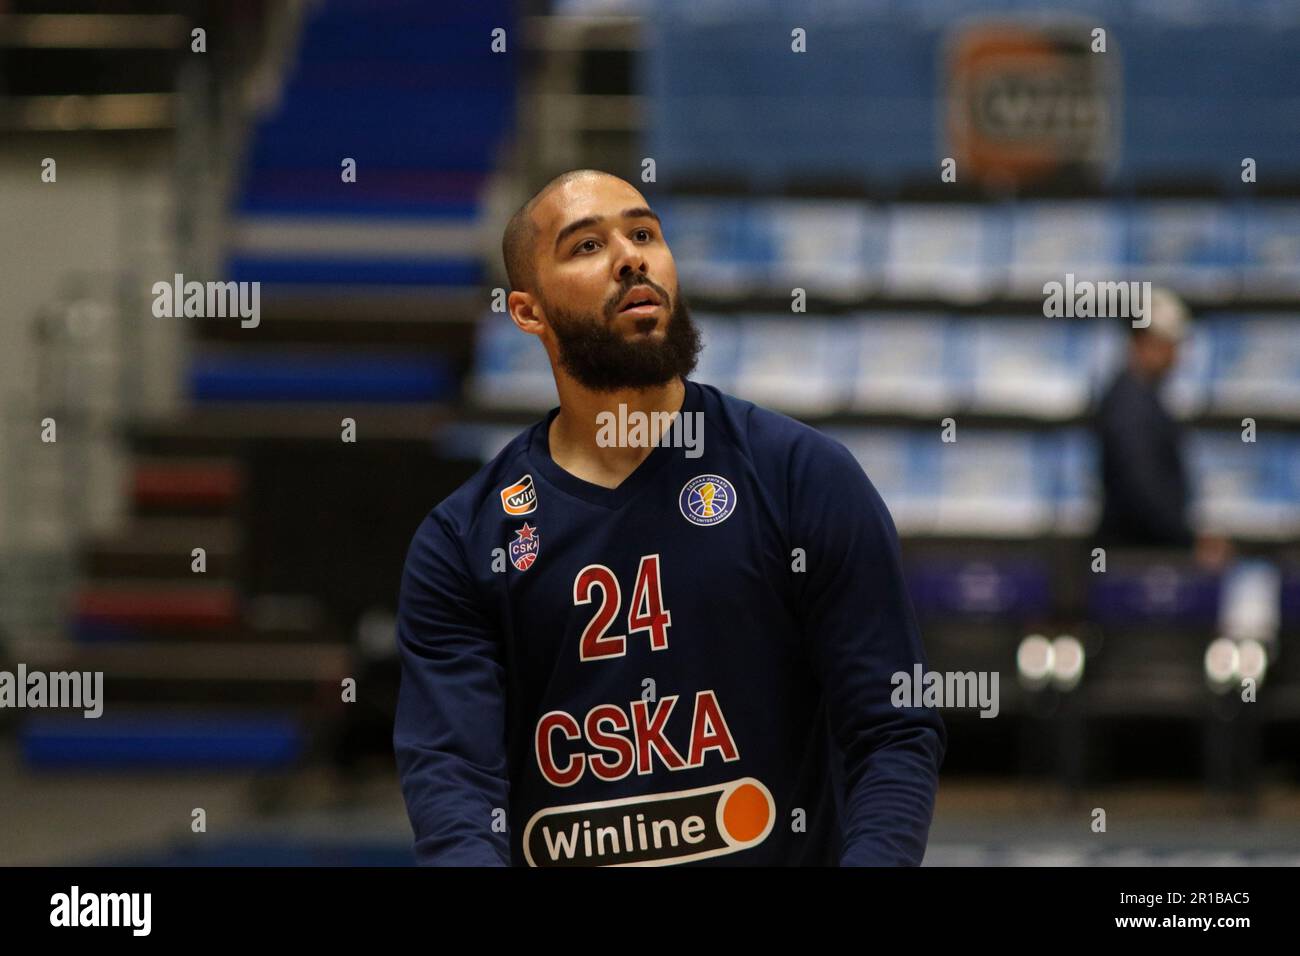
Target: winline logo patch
{"x": 655, "y": 830}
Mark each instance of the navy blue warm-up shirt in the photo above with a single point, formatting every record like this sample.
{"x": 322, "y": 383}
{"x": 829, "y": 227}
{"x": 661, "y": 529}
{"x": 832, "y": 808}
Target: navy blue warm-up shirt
{"x": 693, "y": 666}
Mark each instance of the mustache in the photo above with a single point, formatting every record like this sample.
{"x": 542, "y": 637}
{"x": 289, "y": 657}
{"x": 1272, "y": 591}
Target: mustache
{"x": 614, "y": 300}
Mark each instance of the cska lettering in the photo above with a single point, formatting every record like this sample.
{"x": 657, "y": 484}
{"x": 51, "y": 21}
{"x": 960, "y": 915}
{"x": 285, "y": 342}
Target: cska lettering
{"x": 626, "y": 742}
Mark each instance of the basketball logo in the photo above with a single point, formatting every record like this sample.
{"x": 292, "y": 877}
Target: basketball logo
{"x": 707, "y": 500}
{"x": 523, "y": 550}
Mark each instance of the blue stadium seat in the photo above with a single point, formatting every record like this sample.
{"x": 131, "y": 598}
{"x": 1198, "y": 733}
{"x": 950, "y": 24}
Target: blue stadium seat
{"x": 421, "y": 103}
{"x": 298, "y": 378}
{"x": 161, "y": 741}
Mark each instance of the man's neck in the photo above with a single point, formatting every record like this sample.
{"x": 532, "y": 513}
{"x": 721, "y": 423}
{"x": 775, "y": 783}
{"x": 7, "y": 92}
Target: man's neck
{"x": 576, "y": 432}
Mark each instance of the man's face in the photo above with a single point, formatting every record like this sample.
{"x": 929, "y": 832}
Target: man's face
{"x": 1156, "y": 354}
{"x": 607, "y": 287}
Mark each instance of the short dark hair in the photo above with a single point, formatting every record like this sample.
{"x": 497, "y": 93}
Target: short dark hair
{"x": 521, "y": 233}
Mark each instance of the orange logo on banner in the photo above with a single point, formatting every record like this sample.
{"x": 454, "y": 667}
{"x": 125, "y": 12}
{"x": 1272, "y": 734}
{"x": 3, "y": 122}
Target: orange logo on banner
{"x": 1027, "y": 101}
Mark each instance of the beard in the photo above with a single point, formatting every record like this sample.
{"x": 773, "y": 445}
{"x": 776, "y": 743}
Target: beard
{"x": 601, "y": 359}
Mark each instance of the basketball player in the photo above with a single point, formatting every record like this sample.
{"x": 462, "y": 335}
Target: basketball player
{"x": 663, "y": 642}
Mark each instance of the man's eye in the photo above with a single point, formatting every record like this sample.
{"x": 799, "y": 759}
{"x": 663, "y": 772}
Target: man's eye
{"x": 585, "y": 242}
{"x": 647, "y": 232}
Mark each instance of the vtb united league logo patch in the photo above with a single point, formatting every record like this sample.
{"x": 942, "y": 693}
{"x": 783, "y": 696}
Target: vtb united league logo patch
{"x": 523, "y": 550}
{"x": 707, "y": 500}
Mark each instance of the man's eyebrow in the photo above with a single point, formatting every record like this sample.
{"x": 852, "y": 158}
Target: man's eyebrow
{"x": 640, "y": 212}
{"x": 574, "y": 226}
{"x": 636, "y": 212}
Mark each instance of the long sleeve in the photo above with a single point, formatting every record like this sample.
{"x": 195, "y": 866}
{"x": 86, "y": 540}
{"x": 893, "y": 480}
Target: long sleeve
{"x": 861, "y": 629}
{"x": 449, "y": 733}
{"x": 1144, "y": 479}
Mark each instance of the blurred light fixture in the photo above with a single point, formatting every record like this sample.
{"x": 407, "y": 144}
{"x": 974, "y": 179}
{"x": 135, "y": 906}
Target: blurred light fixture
{"x": 1067, "y": 662}
{"x": 1252, "y": 660}
{"x": 1034, "y": 661}
{"x": 1222, "y": 662}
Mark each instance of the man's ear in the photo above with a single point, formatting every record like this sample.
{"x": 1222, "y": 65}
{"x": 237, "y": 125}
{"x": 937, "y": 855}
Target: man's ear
{"x": 525, "y": 312}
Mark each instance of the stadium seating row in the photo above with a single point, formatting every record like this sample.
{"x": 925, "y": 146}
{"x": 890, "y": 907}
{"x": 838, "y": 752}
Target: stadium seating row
{"x": 1004, "y": 483}
{"x": 969, "y": 251}
{"x": 934, "y": 364}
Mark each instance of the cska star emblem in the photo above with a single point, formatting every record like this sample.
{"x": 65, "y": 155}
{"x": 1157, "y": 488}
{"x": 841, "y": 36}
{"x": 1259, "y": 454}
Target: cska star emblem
{"x": 523, "y": 550}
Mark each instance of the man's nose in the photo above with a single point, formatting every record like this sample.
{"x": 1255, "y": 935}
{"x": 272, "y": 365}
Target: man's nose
{"x": 630, "y": 258}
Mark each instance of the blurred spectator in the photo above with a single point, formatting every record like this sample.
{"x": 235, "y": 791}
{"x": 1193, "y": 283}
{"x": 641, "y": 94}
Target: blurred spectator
{"x": 1144, "y": 472}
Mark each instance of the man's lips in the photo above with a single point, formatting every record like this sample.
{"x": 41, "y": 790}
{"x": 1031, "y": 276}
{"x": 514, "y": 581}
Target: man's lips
{"x": 640, "y": 311}
{"x": 639, "y": 301}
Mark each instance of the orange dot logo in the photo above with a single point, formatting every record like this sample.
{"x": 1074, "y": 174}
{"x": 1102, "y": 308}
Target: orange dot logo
{"x": 745, "y": 815}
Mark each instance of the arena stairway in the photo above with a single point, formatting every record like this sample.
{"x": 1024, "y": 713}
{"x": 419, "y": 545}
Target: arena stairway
{"x": 195, "y": 673}
{"x": 369, "y": 290}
